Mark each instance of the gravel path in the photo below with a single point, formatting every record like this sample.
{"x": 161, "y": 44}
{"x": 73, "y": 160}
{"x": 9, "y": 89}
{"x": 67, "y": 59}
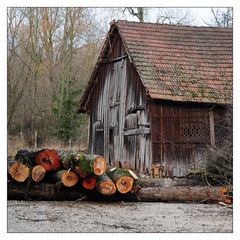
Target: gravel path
{"x": 43, "y": 216}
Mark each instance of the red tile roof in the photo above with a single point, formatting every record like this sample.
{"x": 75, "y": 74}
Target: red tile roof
{"x": 182, "y": 63}
{"x": 174, "y": 62}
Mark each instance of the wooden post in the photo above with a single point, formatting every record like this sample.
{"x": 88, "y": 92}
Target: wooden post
{"x": 212, "y": 131}
{"x": 35, "y": 139}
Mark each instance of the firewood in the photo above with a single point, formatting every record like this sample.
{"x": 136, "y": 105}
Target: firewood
{"x": 105, "y": 185}
{"x": 123, "y": 179}
{"x": 49, "y": 159}
{"x": 67, "y": 178}
{"x": 89, "y": 183}
{"x": 38, "y": 173}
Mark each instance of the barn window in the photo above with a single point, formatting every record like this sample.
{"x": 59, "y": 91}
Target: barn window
{"x": 193, "y": 130}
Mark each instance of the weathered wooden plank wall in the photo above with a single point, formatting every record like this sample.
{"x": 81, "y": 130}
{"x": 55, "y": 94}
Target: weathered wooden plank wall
{"x": 180, "y": 134}
{"x": 119, "y": 121}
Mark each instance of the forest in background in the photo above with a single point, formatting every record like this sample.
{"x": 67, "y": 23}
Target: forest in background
{"x": 51, "y": 53}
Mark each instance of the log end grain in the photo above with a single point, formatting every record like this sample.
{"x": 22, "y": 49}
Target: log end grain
{"x": 18, "y": 171}
{"x": 124, "y": 184}
{"x": 107, "y": 188}
{"x": 38, "y": 173}
{"x": 99, "y": 166}
{"x": 89, "y": 183}
{"x": 49, "y": 159}
{"x": 69, "y": 179}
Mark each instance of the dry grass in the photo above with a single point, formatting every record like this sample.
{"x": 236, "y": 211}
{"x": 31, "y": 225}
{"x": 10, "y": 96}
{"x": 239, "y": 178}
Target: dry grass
{"x": 15, "y": 143}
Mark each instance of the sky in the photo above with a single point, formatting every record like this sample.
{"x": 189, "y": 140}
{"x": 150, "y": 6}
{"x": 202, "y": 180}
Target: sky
{"x": 199, "y": 15}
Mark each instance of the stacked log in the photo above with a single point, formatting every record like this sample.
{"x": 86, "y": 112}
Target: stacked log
{"x": 89, "y": 183}
{"x": 19, "y": 169}
{"x": 77, "y": 173}
{"x": 105, "y": 185}
{"x": 49, "y": 159}
{"x": 69, "y": 169}
{"x": 123, "y": 179}
{"x": 38, "y": 173}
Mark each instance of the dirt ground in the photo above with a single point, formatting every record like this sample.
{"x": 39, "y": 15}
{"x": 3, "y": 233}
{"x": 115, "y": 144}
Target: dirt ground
{"x": 43, "y": 216}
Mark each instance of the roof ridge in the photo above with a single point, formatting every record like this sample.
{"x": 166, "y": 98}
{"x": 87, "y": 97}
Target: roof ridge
{"x": 170, "y": 25}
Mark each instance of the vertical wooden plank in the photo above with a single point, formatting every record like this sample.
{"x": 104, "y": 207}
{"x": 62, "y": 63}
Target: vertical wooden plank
{"x": 212, "y": 130}
{"x": 123, "y": 80}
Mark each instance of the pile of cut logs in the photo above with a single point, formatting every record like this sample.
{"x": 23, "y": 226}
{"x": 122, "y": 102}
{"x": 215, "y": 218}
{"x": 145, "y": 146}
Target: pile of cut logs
{"x": 70, "y": 169}
{"x": 46, "y": 171}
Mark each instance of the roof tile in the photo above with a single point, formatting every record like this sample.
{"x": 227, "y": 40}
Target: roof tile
{"x": 181, "y": 63}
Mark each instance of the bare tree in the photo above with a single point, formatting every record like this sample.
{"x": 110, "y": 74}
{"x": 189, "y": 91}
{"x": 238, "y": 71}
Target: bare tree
{"x": 138, "y": 12}
{"x": 174, "y": 16}
{"x": 221, "y": 17}
{"x": 48, "y": 48}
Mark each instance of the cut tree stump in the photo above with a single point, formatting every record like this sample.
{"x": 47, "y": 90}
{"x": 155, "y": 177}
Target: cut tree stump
{"x": 67, "y": 178}
{"x": 38, "y": 173}
{"x": 49, "y": 159}
{"x": 123, "y": 179}
{"x": 89, "y": 183}
{"x": 105, "y": 185}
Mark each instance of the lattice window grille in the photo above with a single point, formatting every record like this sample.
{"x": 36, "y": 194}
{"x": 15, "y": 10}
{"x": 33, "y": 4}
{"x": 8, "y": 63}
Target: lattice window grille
{"x": 193, "y": 130}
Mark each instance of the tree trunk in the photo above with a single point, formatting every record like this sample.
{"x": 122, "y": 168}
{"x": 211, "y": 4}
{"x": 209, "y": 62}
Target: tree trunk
{"x": 84, "y": 165}
{"x": 105, "y": 185}
{"x": 123, "y": 179}
{"x": 47, "y": 191}
{"x": 49, "y": 159}
{"x": 67, "y": 178}
{"x": 43, "y": 191}
{"x": 181, "y": 194}
{"x": 89, "y": 183}
{"x": 38, "y": 173}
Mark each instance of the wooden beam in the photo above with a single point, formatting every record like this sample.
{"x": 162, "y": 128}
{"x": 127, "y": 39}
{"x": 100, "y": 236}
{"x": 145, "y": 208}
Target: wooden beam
{"x": 137, "y": 131}
{"x": 113, "y": 60}
{"x": 211, "y": 126}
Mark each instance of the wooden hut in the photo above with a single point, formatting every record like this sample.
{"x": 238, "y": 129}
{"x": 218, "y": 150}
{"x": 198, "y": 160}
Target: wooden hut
{"x": 157, "y": 93}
